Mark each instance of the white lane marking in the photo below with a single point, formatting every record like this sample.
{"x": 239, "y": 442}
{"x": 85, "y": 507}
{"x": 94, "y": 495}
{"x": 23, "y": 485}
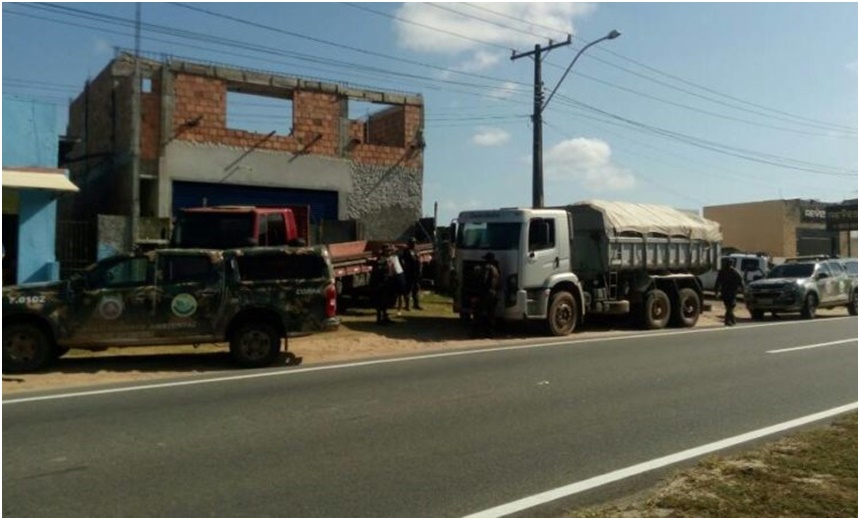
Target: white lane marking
{"x": 607, "y": 478}
{"x": 817, "y": 345}
{"x": 470, "y": 352}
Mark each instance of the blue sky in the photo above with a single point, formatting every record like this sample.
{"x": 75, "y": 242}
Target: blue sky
{"x": 695, "y": 104}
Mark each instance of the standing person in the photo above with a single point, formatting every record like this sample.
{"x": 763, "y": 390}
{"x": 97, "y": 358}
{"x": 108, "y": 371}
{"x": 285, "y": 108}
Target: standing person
{"x": 489, "y": 298}
{"x": 379, "y": 284}
{"x": 396, "y": 278}
{"x": 727, "y": 285}
{"x": 412, "y": 271}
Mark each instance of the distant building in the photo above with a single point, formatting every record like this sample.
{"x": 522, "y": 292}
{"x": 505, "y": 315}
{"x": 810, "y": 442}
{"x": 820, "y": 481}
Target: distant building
{"x": 31, "y": 185}
{"x": 367, "y": 170}
{"x": 780, "y": 228}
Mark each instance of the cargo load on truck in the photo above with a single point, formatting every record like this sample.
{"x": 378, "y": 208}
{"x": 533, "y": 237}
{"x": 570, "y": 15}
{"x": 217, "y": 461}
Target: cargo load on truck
{"x": 627, "y": 236}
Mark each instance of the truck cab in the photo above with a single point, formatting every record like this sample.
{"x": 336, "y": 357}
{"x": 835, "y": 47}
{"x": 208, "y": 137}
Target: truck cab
{"x": 226, "y": 227}
{"x": 532, "y": 252}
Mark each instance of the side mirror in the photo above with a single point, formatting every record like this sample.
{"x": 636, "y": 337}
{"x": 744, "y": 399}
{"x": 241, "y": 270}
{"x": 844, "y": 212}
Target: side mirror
{"x": 821, "y": 276}
{"x": 452, "y": 233}
{"x": 758, "y": 277}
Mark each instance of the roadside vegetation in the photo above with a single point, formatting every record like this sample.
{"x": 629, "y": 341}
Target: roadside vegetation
{"x": 808, "y": 474}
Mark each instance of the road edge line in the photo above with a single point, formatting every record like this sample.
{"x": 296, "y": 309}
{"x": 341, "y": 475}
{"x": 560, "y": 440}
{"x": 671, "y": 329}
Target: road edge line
{"x": 607, "y": 478}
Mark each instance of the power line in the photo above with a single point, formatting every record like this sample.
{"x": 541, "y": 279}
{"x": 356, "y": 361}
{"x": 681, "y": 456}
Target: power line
{"x": 761, "y": 157}
{"x": 417, "y": 24}
{"x": 490, "y": 22}
{"x": 672, "y": 76}
{"x": 334, "y": 44}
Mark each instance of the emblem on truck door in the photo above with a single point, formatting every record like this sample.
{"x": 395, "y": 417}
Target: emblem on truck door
{"x": 110, "y": 307}
{"x": 183, "y": 305}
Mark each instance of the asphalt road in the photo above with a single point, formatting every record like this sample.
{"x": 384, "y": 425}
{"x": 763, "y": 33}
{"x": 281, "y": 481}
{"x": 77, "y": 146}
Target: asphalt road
{"x": 442, "y": 435}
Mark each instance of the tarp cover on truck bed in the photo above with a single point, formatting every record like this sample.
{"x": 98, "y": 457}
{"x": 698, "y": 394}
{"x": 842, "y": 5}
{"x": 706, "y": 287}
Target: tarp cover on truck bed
{"x": 629, "y": 217}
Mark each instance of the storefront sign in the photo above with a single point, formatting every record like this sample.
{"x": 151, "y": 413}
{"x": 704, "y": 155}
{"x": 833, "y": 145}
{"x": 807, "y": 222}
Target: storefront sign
{"x": 842, "y": 217}
{"x": 813, "y": 213}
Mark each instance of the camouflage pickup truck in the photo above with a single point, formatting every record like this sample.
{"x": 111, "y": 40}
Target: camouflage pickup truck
{"x": 250, "y": 298}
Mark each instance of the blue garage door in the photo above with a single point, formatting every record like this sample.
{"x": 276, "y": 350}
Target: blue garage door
{"x": 323, "y": 204}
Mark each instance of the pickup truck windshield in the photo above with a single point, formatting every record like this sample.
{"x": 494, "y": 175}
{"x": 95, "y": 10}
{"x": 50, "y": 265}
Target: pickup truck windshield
{"x": 214, "y": 230}
{"x": 792, "y": 271}
{"x": 489, "y": 235}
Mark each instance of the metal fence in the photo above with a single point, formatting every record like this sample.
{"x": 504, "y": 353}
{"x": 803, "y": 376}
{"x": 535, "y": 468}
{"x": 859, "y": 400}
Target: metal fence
{"x": 75, "y": 245}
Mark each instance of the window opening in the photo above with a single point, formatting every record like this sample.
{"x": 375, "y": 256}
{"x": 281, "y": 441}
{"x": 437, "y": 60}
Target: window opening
{"x": 259, "y": 113}
{"x": 379, "y": 124}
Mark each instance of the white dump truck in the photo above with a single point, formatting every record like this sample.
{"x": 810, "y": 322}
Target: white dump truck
{"x": 595, "y": 257}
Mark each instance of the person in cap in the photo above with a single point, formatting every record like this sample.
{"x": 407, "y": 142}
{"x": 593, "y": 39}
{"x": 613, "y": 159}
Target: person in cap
{"x": 489, "y": 297}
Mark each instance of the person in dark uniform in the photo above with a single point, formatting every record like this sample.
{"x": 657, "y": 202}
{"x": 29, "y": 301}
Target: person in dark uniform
{"x": 412, "y": 271}
{"x": 489, "y": 298}
{"x": 729, "y": 280}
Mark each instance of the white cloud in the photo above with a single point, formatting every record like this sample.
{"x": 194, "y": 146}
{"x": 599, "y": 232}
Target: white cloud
{"x": 491, "y": 137}
{"x": 507, "y": 90}
{"x": 534, "y": 18}
{"x": 479, "y": 61}
{"x": 588, "y": 161}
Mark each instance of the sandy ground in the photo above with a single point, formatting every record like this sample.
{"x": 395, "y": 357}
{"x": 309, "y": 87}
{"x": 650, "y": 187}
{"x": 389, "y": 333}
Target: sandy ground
{"x": 433, "y": 329}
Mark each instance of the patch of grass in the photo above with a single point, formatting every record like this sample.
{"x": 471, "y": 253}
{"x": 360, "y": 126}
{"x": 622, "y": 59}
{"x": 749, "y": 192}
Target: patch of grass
{"x": 807, "y": 474}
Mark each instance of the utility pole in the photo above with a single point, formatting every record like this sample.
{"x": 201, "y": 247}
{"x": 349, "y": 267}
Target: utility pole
{"x": 134, "y": 225}
{"x": 537, "y": 120}
{"x": 539, "y": 106}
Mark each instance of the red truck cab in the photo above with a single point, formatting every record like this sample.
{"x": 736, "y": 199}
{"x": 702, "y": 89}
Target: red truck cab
{"x": 225, "y": 227}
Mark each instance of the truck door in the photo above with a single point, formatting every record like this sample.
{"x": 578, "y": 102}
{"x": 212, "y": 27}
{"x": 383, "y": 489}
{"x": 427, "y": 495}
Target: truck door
{"x": 189, "y": 293}
{"x": 116, "y": 303}
{"x": 542, "y": 259}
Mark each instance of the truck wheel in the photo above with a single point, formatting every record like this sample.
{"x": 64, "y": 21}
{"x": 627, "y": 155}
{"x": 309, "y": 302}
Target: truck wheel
{"x": 657, "y": 310}
{"x": 689, "y": 307}
{"x": 756, "y": 314}
{"x": 561, "y": 318}
{"x": 852, "y": 306}
{"x": 810, "y": 306}
{"x": 25, "y": 348}
{"x": 255, "y": 345}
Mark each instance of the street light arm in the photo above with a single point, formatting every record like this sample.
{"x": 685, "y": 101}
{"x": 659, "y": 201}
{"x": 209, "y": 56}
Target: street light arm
{"x": 611, "y": 36}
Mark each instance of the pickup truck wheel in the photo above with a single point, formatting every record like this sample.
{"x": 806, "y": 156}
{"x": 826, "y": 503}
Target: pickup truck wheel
{"x": 852, "y": 305}
{"x": 25, "y": 348}
{"x": 561, "y": 318}
{"x": 255, "y": 345}
{"x": 810, "y": 306}
{"x": 756, "y": 315}
{"x": 688, "y": 309}
{"x": 657, "y": 310}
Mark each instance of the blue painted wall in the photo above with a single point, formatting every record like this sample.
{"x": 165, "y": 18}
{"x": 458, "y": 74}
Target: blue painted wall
{"x": 30, "y": 139}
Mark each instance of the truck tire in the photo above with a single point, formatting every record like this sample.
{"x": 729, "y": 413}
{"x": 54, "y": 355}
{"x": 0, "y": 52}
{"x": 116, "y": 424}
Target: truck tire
{"x": 255, "y": 345}
{"x": 756, "y": 314}
{"x": 657, "y": 310}
{"x": 26, "y": 348}
{"x": 687, "y": 310}
{"x": 810, "y": 307}
{"x": 561, "y": 316}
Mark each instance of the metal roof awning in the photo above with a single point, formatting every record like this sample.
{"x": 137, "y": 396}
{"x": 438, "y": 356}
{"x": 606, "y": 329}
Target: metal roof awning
{"x": 37, "y": 179}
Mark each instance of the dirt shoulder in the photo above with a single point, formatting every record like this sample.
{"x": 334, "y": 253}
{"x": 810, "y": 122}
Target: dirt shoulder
{"x": 433, "y": 329}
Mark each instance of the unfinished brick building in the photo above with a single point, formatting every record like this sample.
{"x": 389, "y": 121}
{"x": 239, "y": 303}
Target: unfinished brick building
{"x": 369, "y": 170}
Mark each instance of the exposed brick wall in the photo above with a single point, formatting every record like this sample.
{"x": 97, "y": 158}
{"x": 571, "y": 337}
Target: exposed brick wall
{"x": 314, "y": 113}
